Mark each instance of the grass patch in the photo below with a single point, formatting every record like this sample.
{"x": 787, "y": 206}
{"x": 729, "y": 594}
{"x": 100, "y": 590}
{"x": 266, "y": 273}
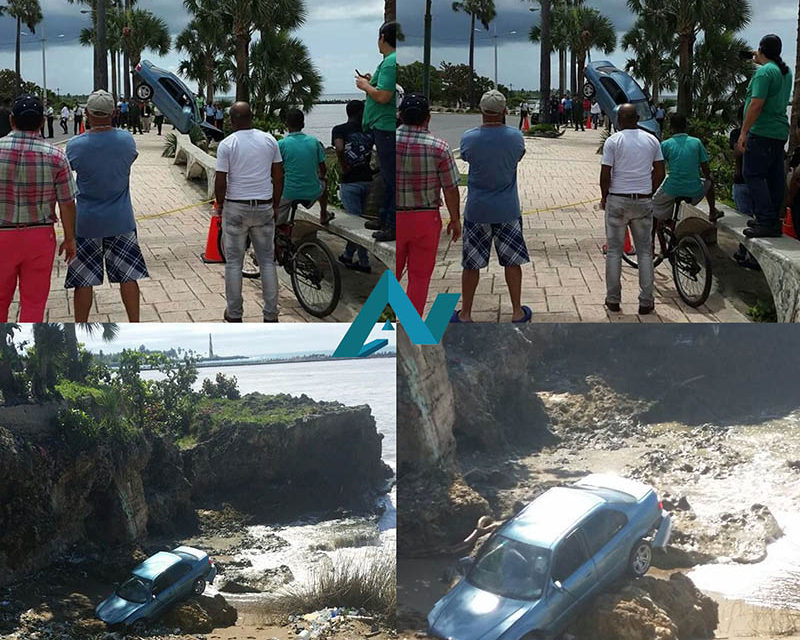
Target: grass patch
{"x": 186, "y": 442}
{"x": 369, "y": 584}
{"x": 763, "y": 311}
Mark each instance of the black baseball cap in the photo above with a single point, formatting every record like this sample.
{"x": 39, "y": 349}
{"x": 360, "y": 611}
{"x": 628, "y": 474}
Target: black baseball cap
{"x": 415, "y": 104}
{"x": 27, "y": 105}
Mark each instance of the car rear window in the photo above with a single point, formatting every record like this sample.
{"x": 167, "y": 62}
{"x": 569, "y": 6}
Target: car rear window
{"x": 614, "y": 90}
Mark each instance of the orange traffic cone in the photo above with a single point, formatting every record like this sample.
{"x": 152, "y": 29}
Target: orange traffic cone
{"x": 788, "y": 224}
{"x": 213, "y": 254}
{"x": 589, "y": 122}
{"x": 526, "y": 125}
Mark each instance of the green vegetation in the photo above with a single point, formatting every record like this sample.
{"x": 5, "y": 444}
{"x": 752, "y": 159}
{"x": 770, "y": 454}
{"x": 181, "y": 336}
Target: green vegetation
{"x": 349, "y": 584}
{"x": 763, "y": 311}
{"x": 213, "y": 414}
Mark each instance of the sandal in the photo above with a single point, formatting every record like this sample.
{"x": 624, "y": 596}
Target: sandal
{"x": 456, "y": 318}
{"x": 527, "y": 316}
{"x": 325, "y": 219}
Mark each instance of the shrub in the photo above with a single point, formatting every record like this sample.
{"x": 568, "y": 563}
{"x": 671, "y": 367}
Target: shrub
{"x": 370, "y": 584}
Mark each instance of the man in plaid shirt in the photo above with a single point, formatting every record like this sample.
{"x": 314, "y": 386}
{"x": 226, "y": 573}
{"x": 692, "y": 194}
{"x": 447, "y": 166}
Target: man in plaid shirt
{"x": 425, "y": 168}
{"x": 34, "y": 176}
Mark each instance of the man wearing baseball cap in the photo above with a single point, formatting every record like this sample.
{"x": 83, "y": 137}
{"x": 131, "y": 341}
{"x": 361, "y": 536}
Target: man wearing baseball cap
{"x": 425, "y": 169}
{"x": 106, "y": 228}
{"x": 34, "y": 177}
{"x": 492, "y": 213}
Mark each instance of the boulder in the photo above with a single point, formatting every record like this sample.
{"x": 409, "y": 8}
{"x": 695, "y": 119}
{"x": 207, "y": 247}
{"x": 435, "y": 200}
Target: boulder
{"x": 650, "y": 609}
{"x": 201, "y": 614}
{"x": 250, "y": 581}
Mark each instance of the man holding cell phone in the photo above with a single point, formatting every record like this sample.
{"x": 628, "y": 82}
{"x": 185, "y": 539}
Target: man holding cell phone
{"x": 380, "y": 118}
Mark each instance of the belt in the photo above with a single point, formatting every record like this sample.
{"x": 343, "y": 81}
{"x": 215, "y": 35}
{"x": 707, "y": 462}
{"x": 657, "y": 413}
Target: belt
{"x": 17, "y": 227}
{"x": 633, "y": 196}
{"x": 252, "y": 203}
{"x": 418, "y": 209}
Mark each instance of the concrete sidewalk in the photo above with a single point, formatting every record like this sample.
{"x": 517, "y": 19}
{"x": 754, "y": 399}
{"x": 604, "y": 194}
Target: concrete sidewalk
{"x": 181, "y": 288}
{"x": 565, "y": 232}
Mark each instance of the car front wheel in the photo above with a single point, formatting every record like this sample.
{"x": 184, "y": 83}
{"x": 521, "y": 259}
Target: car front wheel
{"x": 641, "y": 557}
{"x": 589, "y": 91}
{"x": 199, "y": 586}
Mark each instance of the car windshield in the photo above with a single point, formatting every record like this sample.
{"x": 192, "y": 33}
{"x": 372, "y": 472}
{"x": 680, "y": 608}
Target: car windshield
{"x": 134, "y": 590}
{"x": 511, "y": 569}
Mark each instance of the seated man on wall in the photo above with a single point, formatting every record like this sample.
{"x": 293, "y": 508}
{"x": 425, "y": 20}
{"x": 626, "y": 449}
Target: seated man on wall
{"x": 306, "y": 171}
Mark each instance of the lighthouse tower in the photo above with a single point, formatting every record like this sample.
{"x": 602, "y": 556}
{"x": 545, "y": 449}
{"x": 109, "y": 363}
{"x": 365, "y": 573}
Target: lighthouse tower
{"x": 210, "y": 348}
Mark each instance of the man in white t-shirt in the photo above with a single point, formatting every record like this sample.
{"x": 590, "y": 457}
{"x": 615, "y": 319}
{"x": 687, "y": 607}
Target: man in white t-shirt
{"x": 248, "y": 186}
{"x": 633, "y": 168}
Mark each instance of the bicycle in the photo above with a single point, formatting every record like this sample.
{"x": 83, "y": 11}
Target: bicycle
{"x": 311, "y": 265}
{"x": 688, "y": 255}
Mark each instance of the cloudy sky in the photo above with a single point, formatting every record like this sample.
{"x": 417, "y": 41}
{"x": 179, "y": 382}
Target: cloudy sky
{"x": 243, "y": 340}
{"x": 339, "y": 36}
{"x": 519, "y": 60}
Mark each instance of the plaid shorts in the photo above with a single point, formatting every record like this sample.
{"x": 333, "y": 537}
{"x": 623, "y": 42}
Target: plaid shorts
{"x": 123, "y": 261}
{"x": 508, "y": 242}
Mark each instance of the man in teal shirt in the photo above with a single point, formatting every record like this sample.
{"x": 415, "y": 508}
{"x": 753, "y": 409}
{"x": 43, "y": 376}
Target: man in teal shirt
{"x": 763, "y": 137}
{"x": 380, "y": 117}
{"x": 687, "y": 159}
{"x": 305, "y": 169}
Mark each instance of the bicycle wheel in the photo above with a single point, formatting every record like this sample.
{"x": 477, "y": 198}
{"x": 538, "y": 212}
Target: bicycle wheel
{"x": 316, "y": 280}
{"x": 691, "y": 270}
{"x": 662, "y": 237}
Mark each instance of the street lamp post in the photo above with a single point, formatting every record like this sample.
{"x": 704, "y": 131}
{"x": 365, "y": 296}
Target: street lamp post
{"x": 101, "y": 51}
{"x": 426, "y": 59}
{"x": 495, "y": 53}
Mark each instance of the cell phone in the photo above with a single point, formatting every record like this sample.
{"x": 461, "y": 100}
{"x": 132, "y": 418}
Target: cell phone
{"x": 360, "y": 75}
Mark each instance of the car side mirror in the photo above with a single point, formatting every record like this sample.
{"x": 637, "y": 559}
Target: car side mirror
{"x": 464, "y": 565}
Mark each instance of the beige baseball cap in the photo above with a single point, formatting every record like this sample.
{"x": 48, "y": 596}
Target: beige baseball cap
{"x": 101, "y": 103}
{"x": 493, "y": 103}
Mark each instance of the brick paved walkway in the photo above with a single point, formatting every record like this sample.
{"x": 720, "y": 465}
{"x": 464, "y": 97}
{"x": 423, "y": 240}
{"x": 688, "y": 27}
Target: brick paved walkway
{"x": 181, "y": 288}
{"x": 565, "y": 281}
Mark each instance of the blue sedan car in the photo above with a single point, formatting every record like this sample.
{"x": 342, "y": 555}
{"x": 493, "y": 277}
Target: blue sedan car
{"x": 546, "y": 564}
{"x": 612, "y": 87}
{"x": 158, "y": 583}
{"x": 175, "y": 100}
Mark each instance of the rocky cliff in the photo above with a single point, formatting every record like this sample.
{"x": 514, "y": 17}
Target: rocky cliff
{"x": 53, "y": 496}
{"x": 320, "y": 456}
{"x": 288, "y": 454}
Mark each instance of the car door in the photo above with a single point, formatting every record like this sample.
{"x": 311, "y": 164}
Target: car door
{"x": 574, "y": 569}
{"x": 605, "y": 539}
{"x": 161, "y": 596}
{"x": 179, "y": 585}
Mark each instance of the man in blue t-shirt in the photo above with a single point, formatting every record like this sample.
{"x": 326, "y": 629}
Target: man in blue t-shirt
{"x": 492, "y": 212}
{"x": 106, "y": 228}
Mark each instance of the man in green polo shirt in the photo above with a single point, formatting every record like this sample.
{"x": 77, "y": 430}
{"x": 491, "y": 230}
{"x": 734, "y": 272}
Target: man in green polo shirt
{"x": 305, "y": 169}
{"x": 380, "y": 117}
{"x": 687, "y": 159}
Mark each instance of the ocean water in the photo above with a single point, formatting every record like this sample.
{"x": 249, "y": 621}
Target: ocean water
{"x": 324, "y": 117}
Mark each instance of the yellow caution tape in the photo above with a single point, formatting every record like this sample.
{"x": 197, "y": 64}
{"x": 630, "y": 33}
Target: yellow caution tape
{"x": 162, "y": 214}
{"x": 563, "y": 206}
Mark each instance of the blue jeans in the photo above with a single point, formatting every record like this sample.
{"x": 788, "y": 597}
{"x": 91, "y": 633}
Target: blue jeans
{"x": 743, "y": 199}
{"x": 239, "y": 221}
{"x": 765, "y": 177}
{"x": 385, "y": 145}
{"x": 354, "y": 196}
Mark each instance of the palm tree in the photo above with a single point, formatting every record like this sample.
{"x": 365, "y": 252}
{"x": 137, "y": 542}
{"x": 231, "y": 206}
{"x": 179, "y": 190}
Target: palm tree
{"x": 389, "y": 11}
{"x": 29, "y": 13}
{"x": 687, "y": 18}
{"x": 115, "y": 24}
{"x": 205, "y": 44}
{"x": 144, "y": 31}
{"x": 720, "y": 74}
{"x": 108, "y": 330}
{"x": 283, "y": 74}
{"x": 653, "y": 49}
{"x": 42, "y": 366}
{"x": 12, "y": 388}
{"x": 592, "y": 30}
{"x": 559, "y": 39}
{"x": 242, "y": 18}
{"x": 483, "y": 11}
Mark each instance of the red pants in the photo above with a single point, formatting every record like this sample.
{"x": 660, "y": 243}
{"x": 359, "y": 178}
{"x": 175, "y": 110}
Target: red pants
{"x": 418, "y": 235}
{"x": 26, "y": 255}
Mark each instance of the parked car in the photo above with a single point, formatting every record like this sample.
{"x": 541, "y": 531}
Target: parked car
{"x": 175, "y": 100}
{"x": 546, "y": 564}
{"x": 613, "y": 87}
{"x": 155, "y": 585}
